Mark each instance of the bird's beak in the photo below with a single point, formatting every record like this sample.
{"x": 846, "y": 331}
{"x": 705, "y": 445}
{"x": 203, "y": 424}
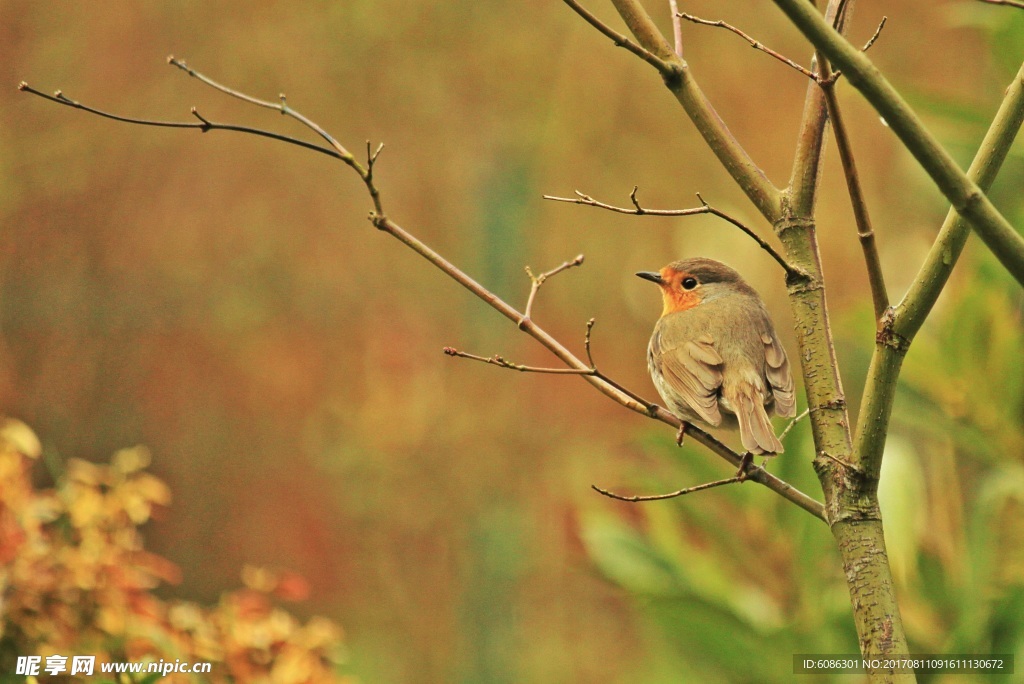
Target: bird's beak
{"x": 653, "y": 276}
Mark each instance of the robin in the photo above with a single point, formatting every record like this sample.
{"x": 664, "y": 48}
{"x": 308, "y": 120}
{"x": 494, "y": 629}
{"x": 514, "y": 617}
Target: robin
{"x": 714, "y": 356}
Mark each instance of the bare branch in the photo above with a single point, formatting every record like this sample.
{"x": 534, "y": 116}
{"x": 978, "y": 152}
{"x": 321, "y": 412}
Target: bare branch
{"x": 756, "y": 44}
{"x": 586, "y": 342}
{"x": 670, "y": 495}
{"x": 677, "y": 28}
{"x": 281, "y": 106}
{"x": 539, "y": 280}
{"x": 705, "y": 208}
{"x": 876, "y": 279}
{"x": 500, "y": 361}
{"x": 619, "y": 39}
{"x": 1009, "y": 3}
{"x": 203, "y": 126}
{"x": 874, "y": 37}
{"x": 792, "y": 423}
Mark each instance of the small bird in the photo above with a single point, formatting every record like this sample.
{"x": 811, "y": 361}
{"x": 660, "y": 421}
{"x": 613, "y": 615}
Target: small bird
{"x": 714, "y": 356}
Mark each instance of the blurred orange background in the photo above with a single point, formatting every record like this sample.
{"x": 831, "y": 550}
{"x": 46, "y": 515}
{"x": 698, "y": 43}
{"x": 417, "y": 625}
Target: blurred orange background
{"x": 223, "y": 300}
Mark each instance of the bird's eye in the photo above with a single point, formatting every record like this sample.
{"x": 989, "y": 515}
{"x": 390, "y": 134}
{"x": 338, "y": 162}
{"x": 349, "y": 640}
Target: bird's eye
{"x": 689, "y": 283}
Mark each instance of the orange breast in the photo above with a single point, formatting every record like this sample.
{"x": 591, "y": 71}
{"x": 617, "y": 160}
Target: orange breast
{"x": 674, "y": 300}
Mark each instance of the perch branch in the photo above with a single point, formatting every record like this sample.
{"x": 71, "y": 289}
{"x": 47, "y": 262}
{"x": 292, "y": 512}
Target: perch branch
{"x": 385, "y": 224}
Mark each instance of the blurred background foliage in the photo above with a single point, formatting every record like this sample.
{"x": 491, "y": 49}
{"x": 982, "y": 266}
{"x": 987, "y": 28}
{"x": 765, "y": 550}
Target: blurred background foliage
{"x": 223, "y": 301}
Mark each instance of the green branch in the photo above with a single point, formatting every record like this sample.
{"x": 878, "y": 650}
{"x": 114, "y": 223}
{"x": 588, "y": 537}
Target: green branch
{"x": 902, "y": 323}
{"x": 965, "y": 196}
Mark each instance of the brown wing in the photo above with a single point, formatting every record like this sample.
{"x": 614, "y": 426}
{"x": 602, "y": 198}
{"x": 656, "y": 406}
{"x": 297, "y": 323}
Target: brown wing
{"x": 779, "y": 376}
{"x": 691, "y": 372}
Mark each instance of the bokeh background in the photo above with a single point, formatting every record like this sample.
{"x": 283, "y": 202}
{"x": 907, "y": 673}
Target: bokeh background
{"x": 222, "y": 300}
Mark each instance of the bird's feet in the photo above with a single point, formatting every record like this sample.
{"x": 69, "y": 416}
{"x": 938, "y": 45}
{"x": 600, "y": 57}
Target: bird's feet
{"x": 681, "y": 434}
{"x": 748, "y": 459}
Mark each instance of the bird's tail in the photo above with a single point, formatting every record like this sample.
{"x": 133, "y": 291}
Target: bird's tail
{"x": 756, "y": 431}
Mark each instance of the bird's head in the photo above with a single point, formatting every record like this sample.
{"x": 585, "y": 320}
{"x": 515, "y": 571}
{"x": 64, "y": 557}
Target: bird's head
{"x": 691, "y": 282}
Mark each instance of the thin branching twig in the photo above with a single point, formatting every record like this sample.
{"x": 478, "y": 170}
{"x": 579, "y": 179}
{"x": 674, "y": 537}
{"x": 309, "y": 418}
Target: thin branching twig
{"x": 756, "y": 44}
{"x": 503, "y": 363}
{"x": 619, "y": 39}
{"x": 537, "y": 281}
{"x": 705, "y": 208}
{"x": 669, "y": 495}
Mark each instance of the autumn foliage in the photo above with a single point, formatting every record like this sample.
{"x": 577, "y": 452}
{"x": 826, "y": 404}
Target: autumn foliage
{"x": 76, "y": 580}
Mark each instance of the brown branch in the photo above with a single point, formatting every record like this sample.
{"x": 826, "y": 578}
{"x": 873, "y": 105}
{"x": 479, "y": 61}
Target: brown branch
{"x": 586, "y": 342}
{"x": 705, "y": 208}
{"x": 1009, "y": 3}
{"x": 874, "y": 36}
{"x": 670, "y": 495}
{"x": 202, "y": 126}
{"x": 619, "y": 39}
{"x": 500, "y": 361}
{"x": 792, "y": 423}
{"x": 677, "y": 27}
{"x": 537, "y": 281}
{"x": 384, "y": 223}
{"x": 876, "y": 279}
{"x": 756, "y": 44}
{"x": 281, "y": 106}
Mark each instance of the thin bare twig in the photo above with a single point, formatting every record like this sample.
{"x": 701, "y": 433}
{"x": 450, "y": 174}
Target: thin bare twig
{"x": 365, "y": 172}
{"x": 382, "y": 222}
{"x": 670, "y": 495}
{"x": 792, "y": 423}
{"x": 874, "y": 36}
{"x": 866, "y": 234}
{"x": 537, "y": 281}
{"x": 1009, "y": 3}
{"x": 586, "y": 342}
{"x": 619, "y": 39}
{"x": 203, "y": 125}
{"x": 281, "y": 106}
{"x": 677, "y": 27}
{"x": 756, "y": 44}
{"x": 500, "y": 361}
{"x": 705, "y": 208}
